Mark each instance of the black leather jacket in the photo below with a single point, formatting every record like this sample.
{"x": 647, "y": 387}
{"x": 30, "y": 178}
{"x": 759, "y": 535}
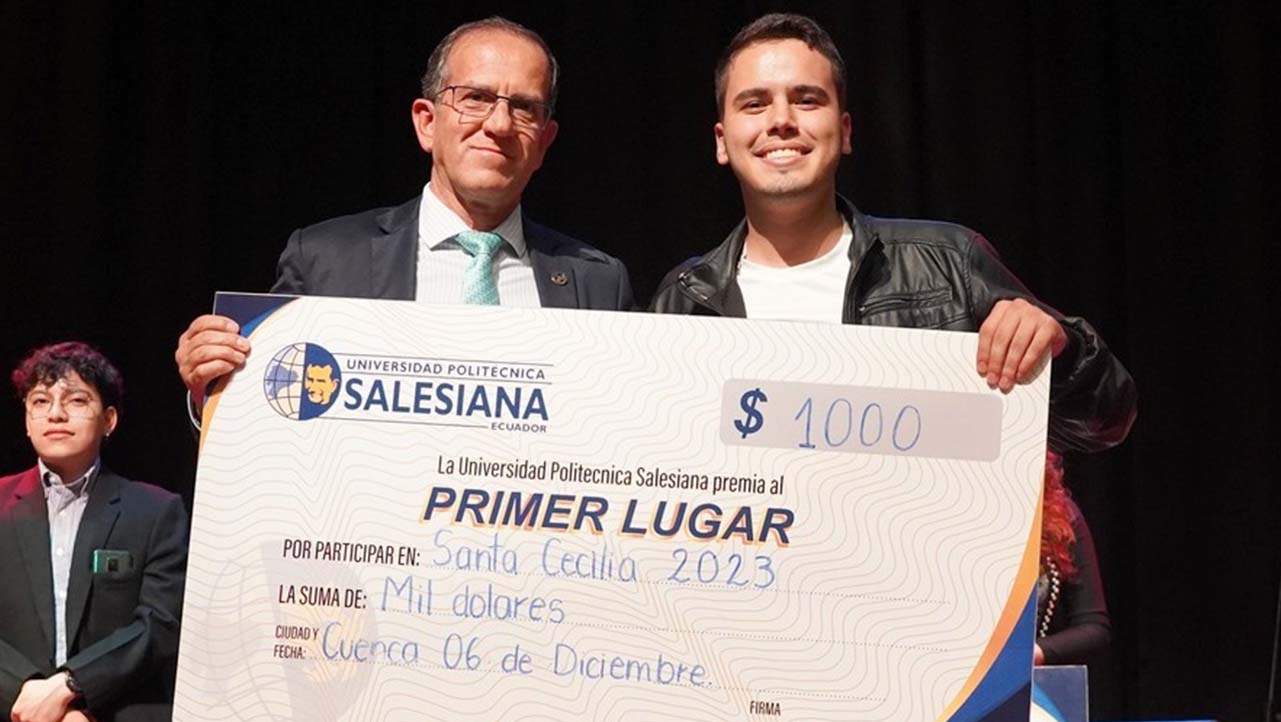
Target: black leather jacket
{"x": 927, "y": 274}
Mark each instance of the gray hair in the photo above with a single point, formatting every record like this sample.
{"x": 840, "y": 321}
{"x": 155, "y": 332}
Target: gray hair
{"x": 434, "y": 78}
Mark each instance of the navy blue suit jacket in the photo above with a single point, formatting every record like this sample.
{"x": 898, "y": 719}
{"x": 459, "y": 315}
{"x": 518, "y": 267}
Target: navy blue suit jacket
{"x": 375, "y": 255}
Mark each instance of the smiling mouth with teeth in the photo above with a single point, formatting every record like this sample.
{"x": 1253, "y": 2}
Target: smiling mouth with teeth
{"x": 782, "y": 153}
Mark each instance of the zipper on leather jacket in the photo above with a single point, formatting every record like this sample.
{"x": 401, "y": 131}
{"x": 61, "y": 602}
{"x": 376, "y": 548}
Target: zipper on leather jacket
{"x": 904, "y": 300}
{"x": 858, "y": 268}
{"x": 698, "y": 297}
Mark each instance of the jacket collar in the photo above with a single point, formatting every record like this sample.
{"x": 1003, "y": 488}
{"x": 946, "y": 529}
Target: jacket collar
{"x": 99, "y": 519}
{"x": 711, "y": 281}
{"x": 393, "y": 267}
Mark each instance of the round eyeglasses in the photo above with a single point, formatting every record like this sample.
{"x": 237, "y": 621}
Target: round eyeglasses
{"x": 76, "y": 405}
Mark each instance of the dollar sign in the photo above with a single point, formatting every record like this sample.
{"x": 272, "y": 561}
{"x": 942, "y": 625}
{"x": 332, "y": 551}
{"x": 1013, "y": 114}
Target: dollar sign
{"x": 754, "y": 420}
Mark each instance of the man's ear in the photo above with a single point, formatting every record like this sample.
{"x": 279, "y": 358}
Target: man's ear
{"x": 110, "y": 418}
{"x": 423, "y": 114}
{"x": 847, "y": 130}
{"x": 721, "y": 156}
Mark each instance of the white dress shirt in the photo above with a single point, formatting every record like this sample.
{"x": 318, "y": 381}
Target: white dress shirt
{"x": 66, "y": 506}
{"x": 441, "y": 260}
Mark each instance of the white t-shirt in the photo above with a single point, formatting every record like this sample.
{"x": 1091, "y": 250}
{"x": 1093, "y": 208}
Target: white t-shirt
{"x": 811, "y": 291}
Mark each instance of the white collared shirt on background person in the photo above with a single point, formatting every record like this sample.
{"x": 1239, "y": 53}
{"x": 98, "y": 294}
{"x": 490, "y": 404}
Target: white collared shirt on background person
{"x": 66, "y": 506}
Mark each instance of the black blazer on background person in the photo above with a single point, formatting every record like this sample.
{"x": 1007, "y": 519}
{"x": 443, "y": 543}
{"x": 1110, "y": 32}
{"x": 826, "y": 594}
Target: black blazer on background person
{"x": 122, "y": 627}
{"x": 375, "y": 255}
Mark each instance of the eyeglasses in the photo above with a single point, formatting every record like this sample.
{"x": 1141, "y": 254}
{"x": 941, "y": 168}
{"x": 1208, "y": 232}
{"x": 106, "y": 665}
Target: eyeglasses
{"x": 479, "y": 104}
{"x": 76, "y": 405}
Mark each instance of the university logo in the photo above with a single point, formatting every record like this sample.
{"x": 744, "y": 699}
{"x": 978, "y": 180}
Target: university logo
{"x": 302, "y": 381}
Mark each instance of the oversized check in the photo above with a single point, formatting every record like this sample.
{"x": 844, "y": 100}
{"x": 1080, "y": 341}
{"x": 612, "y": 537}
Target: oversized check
{"x": 406, "y": 512}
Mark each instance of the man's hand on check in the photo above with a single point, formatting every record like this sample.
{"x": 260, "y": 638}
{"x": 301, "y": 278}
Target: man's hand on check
{"x": 1014, "y": 340}
{"x": 210, "y": 347}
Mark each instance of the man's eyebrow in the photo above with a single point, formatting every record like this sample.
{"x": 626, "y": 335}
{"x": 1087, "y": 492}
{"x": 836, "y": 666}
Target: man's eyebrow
{"x": 514, "y": 96}
{"x": 66, "y": 390}
{"x": 809, "y": 89}
{"x": 750, "y": 93}
{"x": 475, "y": 86}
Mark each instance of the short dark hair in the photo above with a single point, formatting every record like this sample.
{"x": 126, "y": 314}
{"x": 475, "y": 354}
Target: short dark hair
{"x": 434, "y": 77}
{"x": 47, "y": 364}
{"x": 781, "y": 26}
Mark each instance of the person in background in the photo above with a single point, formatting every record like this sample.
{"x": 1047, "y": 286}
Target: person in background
{"x": 93, "y": 564}
{"x": 1072, "y": 622}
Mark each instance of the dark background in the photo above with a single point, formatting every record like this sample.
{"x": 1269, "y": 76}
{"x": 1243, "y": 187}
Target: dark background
{"x": 1117, "y": 154}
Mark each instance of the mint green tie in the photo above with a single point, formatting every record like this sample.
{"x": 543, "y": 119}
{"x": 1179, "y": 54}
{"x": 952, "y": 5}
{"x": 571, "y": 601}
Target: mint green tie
{"x": 479, "y": 288}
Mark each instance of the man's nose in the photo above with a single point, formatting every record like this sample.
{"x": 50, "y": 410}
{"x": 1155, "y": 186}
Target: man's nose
{"x": 499, "y": 121}
{"x": 782, "y": 117}
{"x": 57, "y": 411}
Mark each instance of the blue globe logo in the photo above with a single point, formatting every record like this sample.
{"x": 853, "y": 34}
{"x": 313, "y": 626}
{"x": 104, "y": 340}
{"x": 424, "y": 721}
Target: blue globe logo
{"x": 302, "y": 381}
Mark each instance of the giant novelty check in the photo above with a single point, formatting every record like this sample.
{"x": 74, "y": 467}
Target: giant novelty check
{"x": 457, "y": 513}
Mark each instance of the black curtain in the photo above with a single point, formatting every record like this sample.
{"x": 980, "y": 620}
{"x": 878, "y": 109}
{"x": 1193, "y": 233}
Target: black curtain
{"x": 1118, "y": 154}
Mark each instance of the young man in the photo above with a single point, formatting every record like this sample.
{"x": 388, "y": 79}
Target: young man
{"x": 805, "y": 253}
{"x": 94, "y": 564}
{"x": 486, "y": 118}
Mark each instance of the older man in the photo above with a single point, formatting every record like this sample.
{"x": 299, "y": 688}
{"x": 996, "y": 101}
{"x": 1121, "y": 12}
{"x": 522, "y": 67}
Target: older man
{"x": 805, "y": 253}
{"x": 486, "y": 118}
